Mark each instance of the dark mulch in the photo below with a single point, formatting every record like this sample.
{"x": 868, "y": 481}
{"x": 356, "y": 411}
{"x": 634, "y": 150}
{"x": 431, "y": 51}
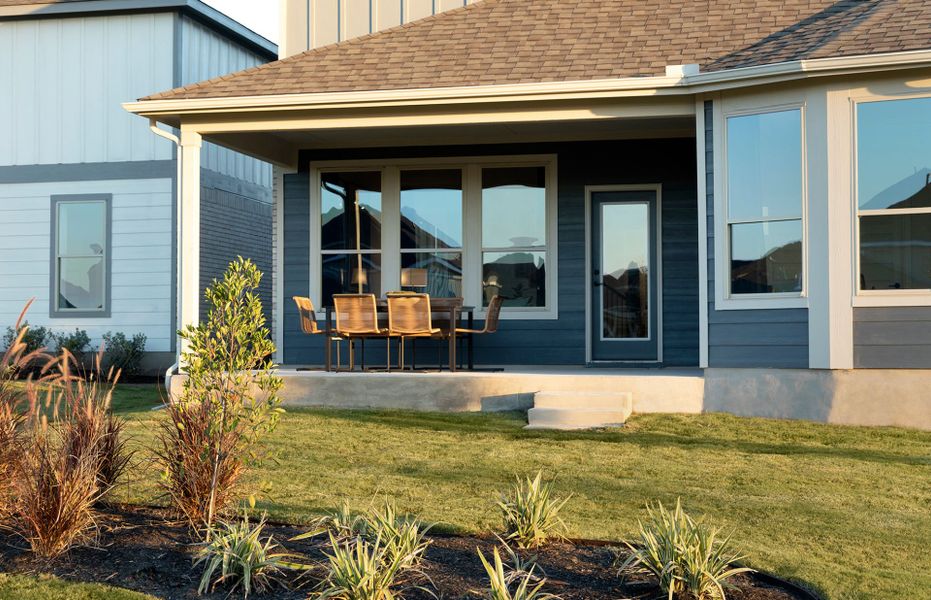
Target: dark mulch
{"x": 141, "y": 549}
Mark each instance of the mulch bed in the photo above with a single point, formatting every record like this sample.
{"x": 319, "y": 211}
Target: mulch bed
{"x": 141, "y": 549}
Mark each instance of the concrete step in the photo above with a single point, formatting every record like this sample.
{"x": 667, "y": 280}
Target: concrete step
{"x": 620, "y": 401}
{"x": 556, "y": 418}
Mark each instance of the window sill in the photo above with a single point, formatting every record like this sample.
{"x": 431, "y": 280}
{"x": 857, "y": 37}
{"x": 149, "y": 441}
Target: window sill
{"x": 884, "y": 299}
{"x": 760, "y": 303}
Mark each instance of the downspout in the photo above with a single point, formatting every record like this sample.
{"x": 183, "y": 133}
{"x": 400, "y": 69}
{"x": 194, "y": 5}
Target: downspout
{"x": 153, "y": 125}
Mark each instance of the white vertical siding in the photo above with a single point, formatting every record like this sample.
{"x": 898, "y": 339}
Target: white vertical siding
{"x": 206, "y": 54}
{"x": 141, "y": 257}
{"x": 315, "y": 23}
{"x": 63, "y": 82}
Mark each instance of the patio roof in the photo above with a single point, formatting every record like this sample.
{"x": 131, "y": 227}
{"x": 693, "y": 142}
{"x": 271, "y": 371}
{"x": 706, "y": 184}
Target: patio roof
{"x": 503, "y": 42}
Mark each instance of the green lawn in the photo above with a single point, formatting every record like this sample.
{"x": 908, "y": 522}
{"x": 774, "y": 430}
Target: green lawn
{"x": 840, "y": 509}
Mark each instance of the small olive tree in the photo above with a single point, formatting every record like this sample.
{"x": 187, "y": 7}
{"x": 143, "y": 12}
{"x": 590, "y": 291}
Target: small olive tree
{"x": 228, "y": 401}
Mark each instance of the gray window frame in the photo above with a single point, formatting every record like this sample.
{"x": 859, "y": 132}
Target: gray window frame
{"x": 54, "y": 311}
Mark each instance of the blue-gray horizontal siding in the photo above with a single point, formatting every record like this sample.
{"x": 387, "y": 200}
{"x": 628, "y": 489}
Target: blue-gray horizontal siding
{"x": 748, "y": 338}
{"x": 235, "y": 220}
{"x": 892, "y": 338}
{"x": 559, "y": 341}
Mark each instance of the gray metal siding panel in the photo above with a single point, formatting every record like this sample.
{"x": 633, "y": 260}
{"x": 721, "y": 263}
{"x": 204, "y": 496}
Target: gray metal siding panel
{"x": 775, "y": 338}
{"x": 231, "y": 225}
{"x": 892, "y": 338}
{"x": 559, "y": 341}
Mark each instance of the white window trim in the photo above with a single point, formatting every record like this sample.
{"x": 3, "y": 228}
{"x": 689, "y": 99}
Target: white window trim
{"x": 471, "y": 222}
{"x": 723, "y": 300}
{"x": 877, "y": 298}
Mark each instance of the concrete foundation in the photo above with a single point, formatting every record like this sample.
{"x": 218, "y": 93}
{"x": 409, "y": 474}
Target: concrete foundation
{"x": 893, "y": 397}
{"x": 898, "y": 398}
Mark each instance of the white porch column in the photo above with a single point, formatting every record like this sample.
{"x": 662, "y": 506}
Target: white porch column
{"x": 830, "y": 232}
{"x": 189, "y": 291}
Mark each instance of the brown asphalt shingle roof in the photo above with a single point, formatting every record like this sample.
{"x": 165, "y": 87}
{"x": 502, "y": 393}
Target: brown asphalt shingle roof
{"x": 32, "y": 2}
{"x": 524, "y": 41}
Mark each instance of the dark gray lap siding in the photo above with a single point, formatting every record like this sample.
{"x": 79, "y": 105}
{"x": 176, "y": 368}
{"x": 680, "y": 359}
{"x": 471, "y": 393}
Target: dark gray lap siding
{"x": 892, "y": 338}
{"x": 562, "y": 341}
{"x": 235, "y": 220}
{"x": 748, "y": 338}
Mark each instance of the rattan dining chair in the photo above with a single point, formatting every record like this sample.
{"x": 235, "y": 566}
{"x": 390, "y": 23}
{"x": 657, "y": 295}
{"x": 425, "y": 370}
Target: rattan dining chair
{"x": 492, "y": 316}
{"x": 357, "y": 319}
{"x": 410, "y": 317}
{"x": 308, "y": 316}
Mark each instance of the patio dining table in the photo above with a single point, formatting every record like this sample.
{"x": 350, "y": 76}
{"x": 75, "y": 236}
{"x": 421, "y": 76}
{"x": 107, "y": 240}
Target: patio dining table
{"x": 447, "y": 313}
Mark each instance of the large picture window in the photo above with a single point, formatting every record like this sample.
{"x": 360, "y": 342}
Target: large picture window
{"x": 894, "y": 194}
{"x": 765, "y": 204}
{"x": 431, "y": 231}
{"x": 471, "y": 228}
{"x": 350, "y": 232}
{"x": 80, "y": 255}
{"x": 514, "y": 235}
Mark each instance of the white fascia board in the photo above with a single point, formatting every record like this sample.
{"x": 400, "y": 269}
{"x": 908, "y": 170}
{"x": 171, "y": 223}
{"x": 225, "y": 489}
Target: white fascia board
{"x": 560, "y": 90}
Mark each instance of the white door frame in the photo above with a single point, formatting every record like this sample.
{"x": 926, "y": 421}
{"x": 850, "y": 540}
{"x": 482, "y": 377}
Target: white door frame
{"x": 657, "y": 188}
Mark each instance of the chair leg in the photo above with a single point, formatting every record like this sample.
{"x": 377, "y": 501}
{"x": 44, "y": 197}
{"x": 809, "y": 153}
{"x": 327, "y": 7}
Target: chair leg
{"x": 388, "y": 353}
{"x": 413, "y": 354}
{"x": 352, "y": 355}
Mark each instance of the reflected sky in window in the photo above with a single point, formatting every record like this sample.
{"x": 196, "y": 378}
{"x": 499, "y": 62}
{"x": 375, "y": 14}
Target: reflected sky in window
{"x": 513, "y": 207}
{"x": 764, "y": 166}
{"x": 893, "y": 153}
{"x": 431, "y": 209}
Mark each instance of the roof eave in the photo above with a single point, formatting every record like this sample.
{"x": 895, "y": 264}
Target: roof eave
{"x": 560, "y": 90}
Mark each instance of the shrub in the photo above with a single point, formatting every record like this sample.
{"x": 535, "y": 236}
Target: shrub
{"x": 123, "y": 353}
{"x": 531, "y": 513}
{"x": 501, "y": 581}
{"x": 685, "y": 555}
{"x": 55, "y": 493}
{"x": 237, "y": 554}
{"x": 364, "y": 570}
{"x": 34, "y": 339}
{"x": 341, "y": 523}
{"x": 75, "y": 343}
{"x": 228, "y": 401}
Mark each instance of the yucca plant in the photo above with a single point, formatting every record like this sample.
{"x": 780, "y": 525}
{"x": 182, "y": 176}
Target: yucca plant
{"x": 364, "y": 570}
{"x": 238, "y": 555}
{"x": 688, "y": 558}
{"x": 517, "y": 567}
{"x": 501, "y": 582}
{"x": 404, "y": 538}
{"x": 531, "y": 513}
{"x": 341, "y": 522}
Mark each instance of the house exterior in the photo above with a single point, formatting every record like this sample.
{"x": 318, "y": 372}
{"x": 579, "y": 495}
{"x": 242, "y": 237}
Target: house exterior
{"x": 739, "y": 187}
{"x": 88, "y": 194}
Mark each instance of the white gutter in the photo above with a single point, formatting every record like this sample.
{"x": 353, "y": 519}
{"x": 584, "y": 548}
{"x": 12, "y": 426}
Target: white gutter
{"x": 153, "y": 125}
{"x": 686, "y": 83}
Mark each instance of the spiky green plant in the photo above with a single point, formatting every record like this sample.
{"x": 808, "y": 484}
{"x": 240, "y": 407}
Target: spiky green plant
{"x": 341, "y": 522}
{"x": 688, "y": 558}
{"x": 236, "y": 553}
{"x": 404, "y": 538}
{"x": 531, "y": 513}
{"x": 517, "y": 567}
{"x": 363, "y": 570}
{"x": 500, "y": 582}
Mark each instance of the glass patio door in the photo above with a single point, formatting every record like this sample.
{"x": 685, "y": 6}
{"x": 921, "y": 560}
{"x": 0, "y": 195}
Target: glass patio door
{"x": 624, "y": 309}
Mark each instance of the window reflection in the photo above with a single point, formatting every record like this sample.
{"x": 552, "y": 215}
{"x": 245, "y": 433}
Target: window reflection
{"x": 895, "y": 252}
{"x": 894, "y": 154}
{"x": 514, "y": 207}
{"x": 341, "y": 275}
{"x": 625, "y": 270}
{"x": 339, "y": 193}
{"x": 766, "y": 257}
{"x": 443, "y": 269}
{"x": 764, "y": 166}
{"x": 81, "y": 248}
{"x": 518, "y": 277}
{"x": 431, "y": 209}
